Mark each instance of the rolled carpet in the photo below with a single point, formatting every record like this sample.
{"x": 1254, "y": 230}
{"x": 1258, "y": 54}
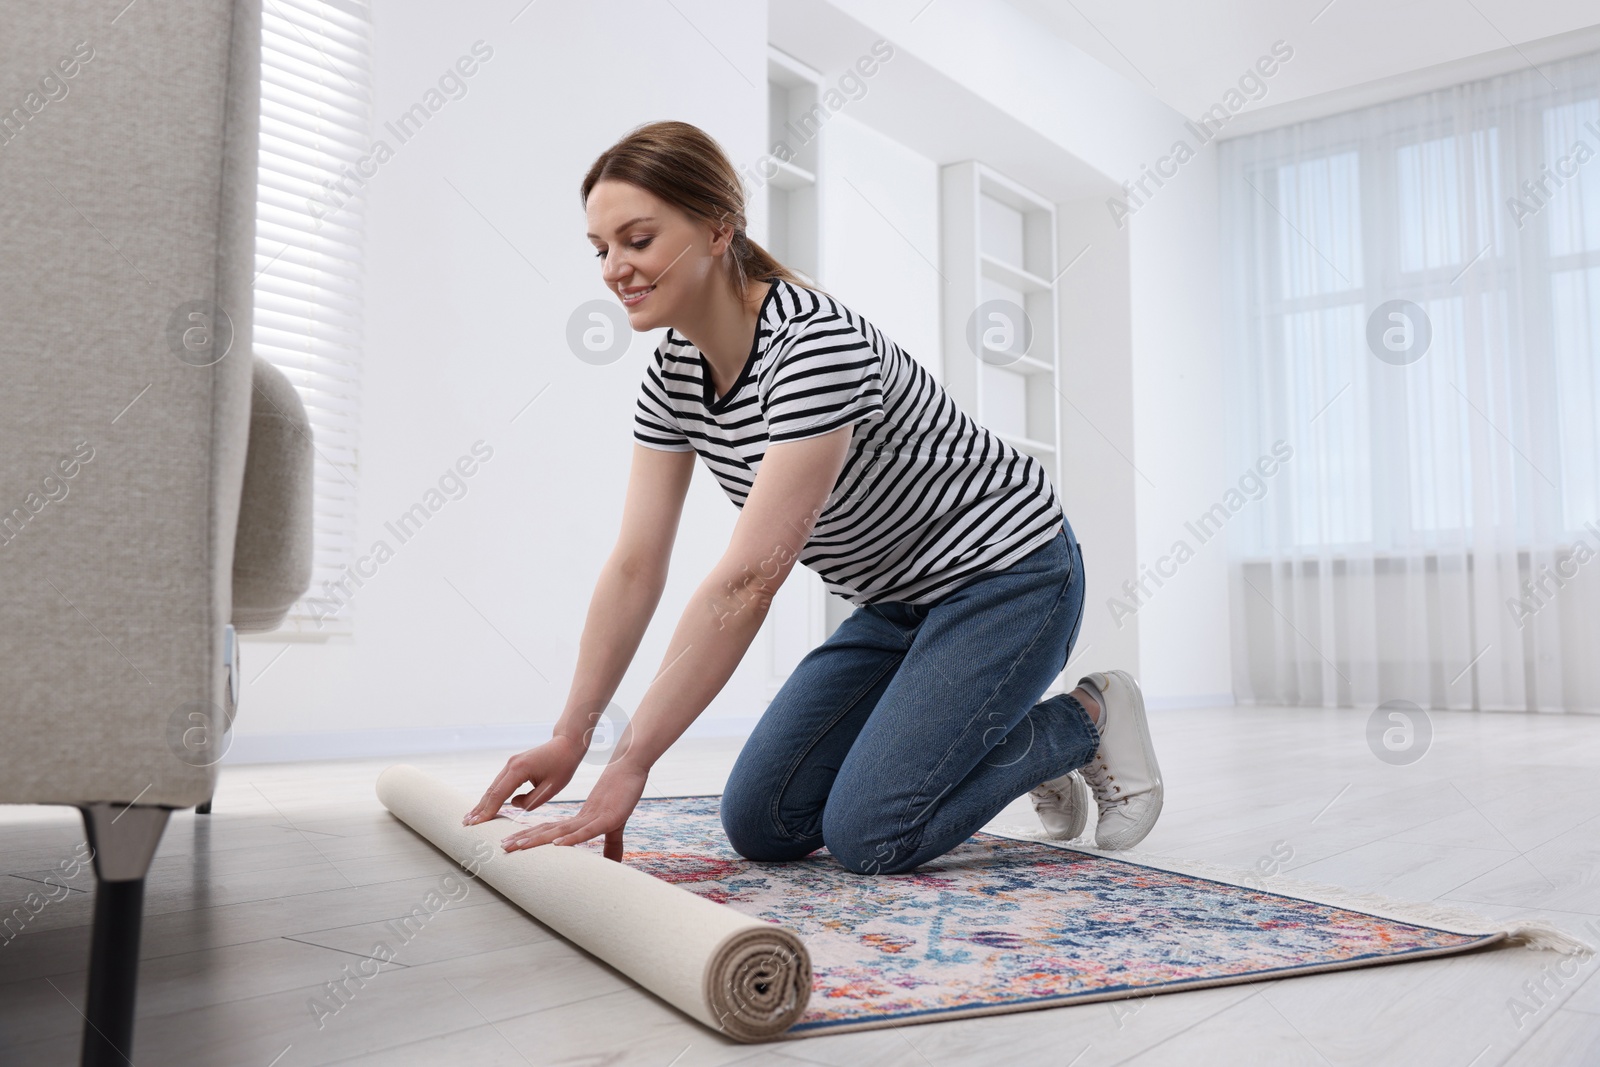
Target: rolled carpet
{"x": 747, "y": 978}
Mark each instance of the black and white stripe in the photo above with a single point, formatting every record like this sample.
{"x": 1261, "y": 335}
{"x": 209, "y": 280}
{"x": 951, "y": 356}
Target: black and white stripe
{"x": 927, "y": 498}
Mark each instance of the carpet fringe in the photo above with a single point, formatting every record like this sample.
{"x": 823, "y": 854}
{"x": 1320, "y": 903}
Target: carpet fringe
{"x": 1533, "y": 932}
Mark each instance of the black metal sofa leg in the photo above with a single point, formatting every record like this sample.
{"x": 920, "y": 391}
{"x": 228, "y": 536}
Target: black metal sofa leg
{"x": 124, "y": 840}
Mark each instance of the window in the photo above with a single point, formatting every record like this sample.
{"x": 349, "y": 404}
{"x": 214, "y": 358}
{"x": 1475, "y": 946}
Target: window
{"x": 316, "y": 103}
{"x": 1480, "y": 206}
{"x": 1572, "y": 234}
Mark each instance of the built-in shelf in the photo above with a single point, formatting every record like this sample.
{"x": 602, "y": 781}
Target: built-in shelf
{"x": 803, "y": 613}
{"x": 1001, "y": 349}
{"x": 1020, "y": 364}
{"x": 1027, "y": 444}
{"x": 793, "y": 154}
{"x": 1011, "y": 275}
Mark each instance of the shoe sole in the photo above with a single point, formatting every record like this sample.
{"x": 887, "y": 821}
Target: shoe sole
{"x": 1148, "y": 822}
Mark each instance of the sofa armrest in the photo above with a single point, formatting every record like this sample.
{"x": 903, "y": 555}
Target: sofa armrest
{"x": 273, "y": 547}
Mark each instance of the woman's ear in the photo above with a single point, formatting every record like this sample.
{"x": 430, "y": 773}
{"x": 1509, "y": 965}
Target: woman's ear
{"x": 722, "y": 233}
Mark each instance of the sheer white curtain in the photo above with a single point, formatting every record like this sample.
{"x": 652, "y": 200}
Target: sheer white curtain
{"x": 1413, "y": 308}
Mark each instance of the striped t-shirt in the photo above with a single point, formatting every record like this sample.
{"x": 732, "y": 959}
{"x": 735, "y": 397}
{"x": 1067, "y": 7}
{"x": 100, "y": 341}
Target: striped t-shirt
{"x": 927, "y": 498}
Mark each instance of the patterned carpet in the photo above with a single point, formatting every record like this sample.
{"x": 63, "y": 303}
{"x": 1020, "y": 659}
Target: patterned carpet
{"x": 1005, "y": 925}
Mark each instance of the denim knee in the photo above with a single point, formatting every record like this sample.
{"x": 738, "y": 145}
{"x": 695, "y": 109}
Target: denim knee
{"x": 861, "y": 851}
{"x": 754, "y": 837}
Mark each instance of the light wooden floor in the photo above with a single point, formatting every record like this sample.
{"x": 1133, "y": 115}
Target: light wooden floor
{"x": 250, "y": 911}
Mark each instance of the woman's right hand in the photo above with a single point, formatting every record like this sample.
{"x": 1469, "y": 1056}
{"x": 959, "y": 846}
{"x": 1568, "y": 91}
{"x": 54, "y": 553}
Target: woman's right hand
{"x": 547, "y": 767}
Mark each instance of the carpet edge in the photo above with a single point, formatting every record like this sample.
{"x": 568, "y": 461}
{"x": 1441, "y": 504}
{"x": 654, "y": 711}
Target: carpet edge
{"x": 1534, "y": 932}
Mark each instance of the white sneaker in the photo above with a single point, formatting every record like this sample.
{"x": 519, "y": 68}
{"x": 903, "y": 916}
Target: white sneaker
{"x": 1123, "y": 775}
{"x": 1062, "y": 805}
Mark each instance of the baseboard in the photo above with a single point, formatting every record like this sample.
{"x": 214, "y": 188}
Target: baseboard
{"x": 1189, "y": 700}
{"x": 423, "y": 740}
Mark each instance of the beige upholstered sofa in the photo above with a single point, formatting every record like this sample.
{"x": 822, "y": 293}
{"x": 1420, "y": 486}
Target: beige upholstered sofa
{"x": 154, "y": 478}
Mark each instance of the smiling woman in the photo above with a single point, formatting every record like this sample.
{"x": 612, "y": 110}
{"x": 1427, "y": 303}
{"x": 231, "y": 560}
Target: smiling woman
{"x": 841, "y": 452}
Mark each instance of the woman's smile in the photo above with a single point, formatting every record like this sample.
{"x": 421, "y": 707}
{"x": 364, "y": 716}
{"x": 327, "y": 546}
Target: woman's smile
{"x": 632, "y": 297}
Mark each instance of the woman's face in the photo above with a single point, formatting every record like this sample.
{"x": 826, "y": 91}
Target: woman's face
{"x": 656, "y": 258}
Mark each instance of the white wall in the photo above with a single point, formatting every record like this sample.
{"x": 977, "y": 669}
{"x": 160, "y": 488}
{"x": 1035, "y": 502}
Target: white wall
{"x": 469, "y": 635}
{"x": 1141, "y": 351}
{"x": 462, "y": 331}
{"x": 1098, "y": 491}
{"x": 880, "y": 237}
{"x": 1144, "y": 364}
{"x": 1180, "y": 421}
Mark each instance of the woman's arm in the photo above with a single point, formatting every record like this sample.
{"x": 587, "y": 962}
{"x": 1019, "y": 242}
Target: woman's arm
{"x": 629, "y": 587}
{"x": 728, "y": 608}
{"x": 624, "y": 599}
{"x": 620, "y": 610}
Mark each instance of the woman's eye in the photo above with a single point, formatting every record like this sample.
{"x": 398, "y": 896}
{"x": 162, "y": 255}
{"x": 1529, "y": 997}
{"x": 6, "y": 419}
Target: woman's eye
{"x": 601, "y": 254}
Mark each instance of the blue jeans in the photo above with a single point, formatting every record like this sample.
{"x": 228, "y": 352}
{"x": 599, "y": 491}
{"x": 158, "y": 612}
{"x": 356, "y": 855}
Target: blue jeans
{"x": 913, "y": 725}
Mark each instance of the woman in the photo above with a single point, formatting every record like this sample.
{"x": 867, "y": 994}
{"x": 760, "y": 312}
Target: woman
{"x": 918, "y": 720}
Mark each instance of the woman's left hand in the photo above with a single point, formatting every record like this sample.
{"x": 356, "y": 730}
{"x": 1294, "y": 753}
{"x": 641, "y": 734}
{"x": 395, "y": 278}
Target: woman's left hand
{"x": 605, "y": 811}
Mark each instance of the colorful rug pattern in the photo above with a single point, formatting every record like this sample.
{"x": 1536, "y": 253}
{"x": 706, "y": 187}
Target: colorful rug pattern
{"x": 1000, "y": 924}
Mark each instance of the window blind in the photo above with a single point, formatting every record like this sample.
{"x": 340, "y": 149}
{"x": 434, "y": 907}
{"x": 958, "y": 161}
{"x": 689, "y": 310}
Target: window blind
{"x": 316, "y": 108}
